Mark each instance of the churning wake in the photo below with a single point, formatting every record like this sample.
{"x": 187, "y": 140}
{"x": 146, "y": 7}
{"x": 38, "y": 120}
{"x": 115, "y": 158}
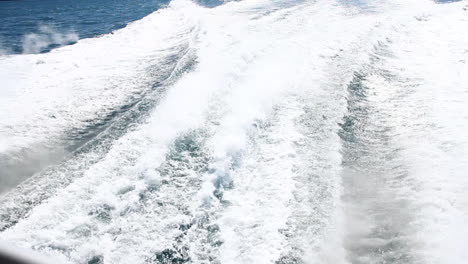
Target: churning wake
{"x": 252, "y": 132}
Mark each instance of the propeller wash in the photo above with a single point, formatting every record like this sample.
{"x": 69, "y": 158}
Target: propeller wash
{"x": 252, "y": 132}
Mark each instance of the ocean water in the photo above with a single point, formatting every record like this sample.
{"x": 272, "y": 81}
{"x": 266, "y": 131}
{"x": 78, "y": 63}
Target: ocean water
{"x": 33, "y": 26}
{"x": 253, "y": 132}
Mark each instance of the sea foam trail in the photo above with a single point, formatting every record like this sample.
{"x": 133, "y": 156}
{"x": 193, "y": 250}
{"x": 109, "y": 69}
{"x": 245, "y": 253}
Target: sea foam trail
{"x": 285, "y": 191}
{"x": 402, "y": 178}
{"x": 52, "y": 103}
{"x": 434, "y": 143}
{"x": 132, "y": 205}
{"x": 250, "y": 157}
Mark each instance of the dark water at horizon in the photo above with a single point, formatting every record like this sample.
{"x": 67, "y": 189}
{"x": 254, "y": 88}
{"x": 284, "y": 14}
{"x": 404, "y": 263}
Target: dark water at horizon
{"x": 32, "y": 26}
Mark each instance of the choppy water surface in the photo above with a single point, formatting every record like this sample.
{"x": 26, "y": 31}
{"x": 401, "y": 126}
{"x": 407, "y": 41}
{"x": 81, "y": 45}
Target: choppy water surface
{"x": 244, "y": 132}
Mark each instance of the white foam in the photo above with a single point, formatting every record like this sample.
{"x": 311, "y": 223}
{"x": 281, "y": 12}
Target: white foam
{"x": 44, "y": 95}
{"x": 420, "y": 102}
{"x": 259, "y": 63}
{"x": 433, "y": 51}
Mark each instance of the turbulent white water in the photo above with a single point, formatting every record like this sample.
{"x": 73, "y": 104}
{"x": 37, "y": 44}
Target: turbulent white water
{"x": 253, "y": 132}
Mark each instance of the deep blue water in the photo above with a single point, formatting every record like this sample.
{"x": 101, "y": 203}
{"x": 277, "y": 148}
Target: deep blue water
{"x": 31, "y": 26}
